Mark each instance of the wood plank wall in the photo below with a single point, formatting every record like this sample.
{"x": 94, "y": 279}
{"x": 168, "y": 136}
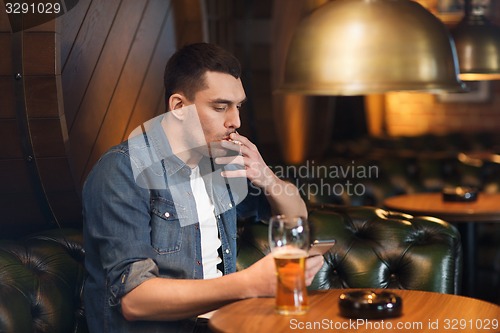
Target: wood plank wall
{"x": 37, "y": 187}
{"x": 90, "y": 77}
{"x": 112, "y": 55}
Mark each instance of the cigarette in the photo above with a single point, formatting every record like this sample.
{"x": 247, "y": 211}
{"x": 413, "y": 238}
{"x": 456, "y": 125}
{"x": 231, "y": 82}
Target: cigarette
{"x": 234, "y": 141}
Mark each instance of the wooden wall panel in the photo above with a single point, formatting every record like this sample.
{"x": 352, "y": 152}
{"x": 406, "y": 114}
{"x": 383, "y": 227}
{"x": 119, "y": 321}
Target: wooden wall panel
{"x": 56, "y": 174}
{"x": 31, "y": 128}
{"x": 11, "y": 139}
{"x": 150, "y": 102}
{"x": 9, "y": 148}
{"x": 42, "y": 96}
{"x": 90, "y": 77}
{"x": 49, "y": 26}
{"x": 125, "y": 97}
{"x": 5, "y": 61}
{"x": 188, "y": 22}
{"x": 4, "y": 21}
{"x": 103, "y": 83}
{"x": 72, "y": 24}
{"x": 14, "y": 176}
{"x": 8, "y": 130}
{"x": 85, "y": 53}
{"x": 47, "y": 137}
{"x": 7, "y": 103}
{"x": 40, "y": 53}
{"x": 112, "y": 92}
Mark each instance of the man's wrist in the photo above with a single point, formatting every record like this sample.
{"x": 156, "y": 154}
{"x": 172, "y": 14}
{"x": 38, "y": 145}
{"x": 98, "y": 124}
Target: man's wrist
{"x": 273, "y": 184}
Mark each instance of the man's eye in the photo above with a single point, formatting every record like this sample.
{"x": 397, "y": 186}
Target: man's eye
{"x": 220, "y": 108}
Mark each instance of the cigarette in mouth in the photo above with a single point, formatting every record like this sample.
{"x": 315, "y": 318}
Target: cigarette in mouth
{"x": 234, "y": 141}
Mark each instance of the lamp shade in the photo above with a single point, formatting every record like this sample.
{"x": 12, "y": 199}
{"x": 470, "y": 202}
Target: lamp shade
{"x": 357, "y": 47}
{"x": 478, "y": 48}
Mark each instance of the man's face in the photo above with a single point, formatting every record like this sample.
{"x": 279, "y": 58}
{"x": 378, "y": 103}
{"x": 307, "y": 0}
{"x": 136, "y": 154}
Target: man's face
{"x": 218, "y": 108}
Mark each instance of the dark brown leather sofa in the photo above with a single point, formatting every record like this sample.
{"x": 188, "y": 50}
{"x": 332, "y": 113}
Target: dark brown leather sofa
{"x": 42, "y": 275}
{"x": 375, "y": 248}
{"x": 41, "y": 283}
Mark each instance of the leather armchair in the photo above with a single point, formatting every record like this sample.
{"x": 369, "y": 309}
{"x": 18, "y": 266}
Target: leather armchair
{"x": 41, "y": 283}
{"x": 375, "y": 248}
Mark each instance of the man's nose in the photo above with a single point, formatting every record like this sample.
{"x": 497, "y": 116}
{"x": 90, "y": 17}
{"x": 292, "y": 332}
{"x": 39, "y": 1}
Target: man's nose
{"x": 233, "y": 118}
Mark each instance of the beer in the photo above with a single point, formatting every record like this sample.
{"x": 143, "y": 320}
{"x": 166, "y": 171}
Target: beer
{"x": 289, "y": 243}
{"x": 291, "y": 293}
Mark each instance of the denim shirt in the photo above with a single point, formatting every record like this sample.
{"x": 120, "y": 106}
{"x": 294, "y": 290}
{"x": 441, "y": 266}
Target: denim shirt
{"x": 140, "y": 222}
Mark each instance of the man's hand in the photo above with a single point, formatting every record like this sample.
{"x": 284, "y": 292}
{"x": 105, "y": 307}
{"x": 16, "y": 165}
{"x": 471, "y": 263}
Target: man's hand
{"x": 254, "y": 167}
{"x": 283, "y": 196}
{"x": 262, "y": 275}
{"x": 313, "y": 265}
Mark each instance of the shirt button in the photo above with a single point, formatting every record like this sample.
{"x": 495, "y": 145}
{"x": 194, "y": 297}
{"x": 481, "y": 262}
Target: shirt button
{"x": 198, "y": 262}
{"x": 167, "y": 214}
{"x": 230, "y": 205}
{"x": 227, "y": 251}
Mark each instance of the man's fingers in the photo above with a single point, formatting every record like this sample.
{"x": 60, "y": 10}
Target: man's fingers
{"x": 313, "y": 265}
{"x": 232, "y": 145}
{"x": 234, "y": 173}
{"x": 230, "y": 160}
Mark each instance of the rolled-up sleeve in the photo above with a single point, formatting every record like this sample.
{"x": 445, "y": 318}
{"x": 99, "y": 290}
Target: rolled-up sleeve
{"x": 139, "y": 272}
{"x": 117, "y": 227}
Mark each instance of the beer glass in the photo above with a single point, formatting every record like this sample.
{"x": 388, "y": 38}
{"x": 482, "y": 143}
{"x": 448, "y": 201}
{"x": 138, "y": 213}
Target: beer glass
{"x": 289, "y": 243}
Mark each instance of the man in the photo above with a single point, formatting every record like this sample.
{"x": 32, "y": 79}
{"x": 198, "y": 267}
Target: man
{"x": 160, "y": 209}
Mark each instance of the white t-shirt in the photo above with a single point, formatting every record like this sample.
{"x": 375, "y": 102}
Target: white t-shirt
{"x": 210, "y": 241}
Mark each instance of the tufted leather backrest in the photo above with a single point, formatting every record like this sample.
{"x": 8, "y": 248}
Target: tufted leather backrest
{"x": 375, "y": 248}
{"x": 41, "y": 279}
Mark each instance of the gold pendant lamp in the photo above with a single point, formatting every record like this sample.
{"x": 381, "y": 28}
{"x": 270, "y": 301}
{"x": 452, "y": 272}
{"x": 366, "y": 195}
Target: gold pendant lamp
{"x": 358, "y": 47}
{"x": 478, "y": 45}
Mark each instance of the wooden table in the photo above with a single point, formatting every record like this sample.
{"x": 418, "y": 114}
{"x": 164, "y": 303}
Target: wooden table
{"x": 485, "y": 209}
{"x": 422, "y": 312}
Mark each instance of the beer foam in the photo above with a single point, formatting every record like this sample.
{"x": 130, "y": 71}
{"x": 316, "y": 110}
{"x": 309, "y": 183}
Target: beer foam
{"x": 289, "y": 252}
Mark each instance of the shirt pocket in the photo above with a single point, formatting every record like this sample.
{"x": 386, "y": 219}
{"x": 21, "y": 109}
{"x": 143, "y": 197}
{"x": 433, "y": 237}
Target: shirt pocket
{"x": 166, "y": 230}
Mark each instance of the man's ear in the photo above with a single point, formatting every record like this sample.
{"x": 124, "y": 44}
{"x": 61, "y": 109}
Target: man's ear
{"x": 176, "y": 103}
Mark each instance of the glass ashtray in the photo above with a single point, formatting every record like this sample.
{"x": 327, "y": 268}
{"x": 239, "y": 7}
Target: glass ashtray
{"x": 459, "y": 194}
{"x": 368, "y": 304}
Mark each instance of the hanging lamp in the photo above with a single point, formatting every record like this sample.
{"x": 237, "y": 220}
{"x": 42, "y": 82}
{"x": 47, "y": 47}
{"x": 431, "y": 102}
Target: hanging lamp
{"x": 357, "y": 47}
{"x": 478, "y": 45}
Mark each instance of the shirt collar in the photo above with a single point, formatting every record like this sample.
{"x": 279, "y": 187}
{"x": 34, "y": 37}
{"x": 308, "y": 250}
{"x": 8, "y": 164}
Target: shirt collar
{"x": 161, "y": 147}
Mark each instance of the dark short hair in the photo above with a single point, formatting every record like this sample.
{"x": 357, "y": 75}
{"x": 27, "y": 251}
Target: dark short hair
{"x": 185, "y": 70}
